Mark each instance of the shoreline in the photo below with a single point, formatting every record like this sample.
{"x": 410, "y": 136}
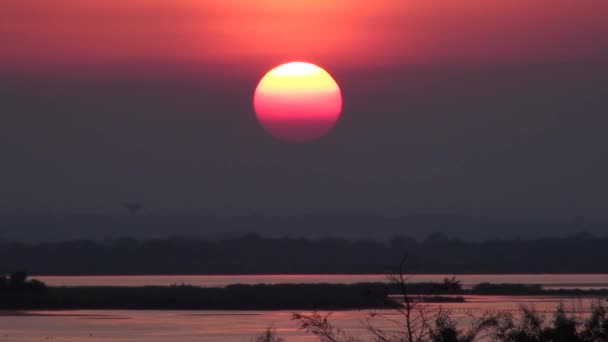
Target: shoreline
{"x": 358, "y": 296}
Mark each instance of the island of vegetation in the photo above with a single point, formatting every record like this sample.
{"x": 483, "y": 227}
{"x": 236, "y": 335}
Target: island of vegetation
{"x": 17, "y": 292}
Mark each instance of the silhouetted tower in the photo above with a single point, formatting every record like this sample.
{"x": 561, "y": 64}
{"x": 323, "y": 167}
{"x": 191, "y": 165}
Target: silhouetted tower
{"x": 133, "y": 208}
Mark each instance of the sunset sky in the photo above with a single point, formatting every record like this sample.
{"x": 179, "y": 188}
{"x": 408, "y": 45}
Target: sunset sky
{"x": 41, "y": 35}
{"x": 466, "y": 106}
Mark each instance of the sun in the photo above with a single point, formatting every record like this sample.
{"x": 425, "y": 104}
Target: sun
{"x": 297, "y": 102}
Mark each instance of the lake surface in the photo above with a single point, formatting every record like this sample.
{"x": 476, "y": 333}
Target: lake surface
{"x": 221, "y": 326}
{"x": 240, "y": 326}
{"x": 567, "y": 281}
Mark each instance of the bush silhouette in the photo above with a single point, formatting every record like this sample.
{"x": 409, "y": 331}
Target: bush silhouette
{"x": 18, "y": 282}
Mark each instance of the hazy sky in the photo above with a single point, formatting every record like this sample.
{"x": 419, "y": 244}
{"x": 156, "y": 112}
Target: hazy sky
{"x": 465, "y": 106}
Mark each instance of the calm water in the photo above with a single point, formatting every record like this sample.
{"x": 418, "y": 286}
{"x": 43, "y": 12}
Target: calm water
{"x": 217, "y": 326}
{"x": 548, "y": 280}
{"x": 238, "y": 326}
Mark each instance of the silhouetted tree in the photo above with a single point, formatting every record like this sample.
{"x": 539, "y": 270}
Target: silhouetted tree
{"x": 3, "y": 283}
{"x": 596, "y": 326}
{"x": 17, "y": 281}
{"x": 417, "y": 322}
{"x": 452, "y": 285}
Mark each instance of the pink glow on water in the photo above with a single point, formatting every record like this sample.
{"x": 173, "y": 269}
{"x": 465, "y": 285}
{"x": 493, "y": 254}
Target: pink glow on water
{"x": 227, "y": 326}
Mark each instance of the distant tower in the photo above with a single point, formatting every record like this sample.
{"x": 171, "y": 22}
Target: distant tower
{"x": 133, "y": 207}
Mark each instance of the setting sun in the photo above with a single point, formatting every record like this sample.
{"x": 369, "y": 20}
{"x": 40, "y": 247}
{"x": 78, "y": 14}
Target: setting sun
{"x": 298, "y": 102}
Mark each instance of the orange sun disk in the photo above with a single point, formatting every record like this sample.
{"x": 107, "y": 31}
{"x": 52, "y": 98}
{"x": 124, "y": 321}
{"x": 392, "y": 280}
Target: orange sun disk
{"x": 297, "y": 102}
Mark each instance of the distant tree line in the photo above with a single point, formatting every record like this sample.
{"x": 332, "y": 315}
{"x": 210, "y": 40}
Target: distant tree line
{"x": 252, "y": 254}
{"x": 310, "y": 226}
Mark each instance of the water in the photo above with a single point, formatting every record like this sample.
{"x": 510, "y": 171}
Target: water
{"x": 583, "y": 281}
{"x": 220, "y": 326}
{"x": 237, "y": 326}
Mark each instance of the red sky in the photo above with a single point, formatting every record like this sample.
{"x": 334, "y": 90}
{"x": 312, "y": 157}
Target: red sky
{"x": 38, "y": 35}
{"x": 483, "y": 107}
